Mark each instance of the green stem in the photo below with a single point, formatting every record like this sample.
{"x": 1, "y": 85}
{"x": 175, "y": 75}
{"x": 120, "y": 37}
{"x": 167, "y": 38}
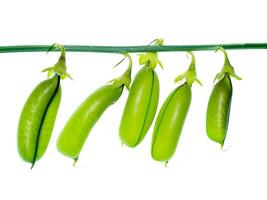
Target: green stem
{"x": 132, "y": 49}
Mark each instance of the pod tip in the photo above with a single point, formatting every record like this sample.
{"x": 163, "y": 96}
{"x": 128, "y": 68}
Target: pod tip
{"x": 75, "y": 161}
{"x": 166, "y": 164}
{"x": 32, "y": 165}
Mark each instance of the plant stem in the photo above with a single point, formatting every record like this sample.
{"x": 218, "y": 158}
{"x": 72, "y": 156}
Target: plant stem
{"x": 132, "y": 49}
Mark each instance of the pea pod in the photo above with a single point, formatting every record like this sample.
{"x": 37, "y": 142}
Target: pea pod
{"x": 142, "y": 102}
{"x": 80, "y": 124}
{"x": 172, "y": 115}
{"x": 218, "y": 110}
{"x": 39, "y": 114}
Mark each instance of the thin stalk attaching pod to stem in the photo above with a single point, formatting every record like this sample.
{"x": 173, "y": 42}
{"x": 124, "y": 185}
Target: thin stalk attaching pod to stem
{"x": 190, "y": 74}
{"x": 227, "y": 67}
{"x": 125, "y": 78}
{"x": 60, "y": 67}
{"x": 150, "y": 59}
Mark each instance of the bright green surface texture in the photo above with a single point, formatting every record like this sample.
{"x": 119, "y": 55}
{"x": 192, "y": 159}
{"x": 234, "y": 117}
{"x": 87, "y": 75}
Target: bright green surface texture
{"x": 37, "y": 119}
{"x": 169, "y": 123}
{"x": 78, "y": 127}
{"x": 219, "y": 110}
{"x": 140, "y": 107}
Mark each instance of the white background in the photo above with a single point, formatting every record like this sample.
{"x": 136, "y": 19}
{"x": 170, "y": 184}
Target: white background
{"x": 106, "y": 170}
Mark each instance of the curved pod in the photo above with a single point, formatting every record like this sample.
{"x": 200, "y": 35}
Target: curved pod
{"x": 37, "y": 119}
{"x": 140, "y": 107}
{"x": 218, "y": 110}
{"x": 169, "y": 123}
{"x": 78, "y": 127}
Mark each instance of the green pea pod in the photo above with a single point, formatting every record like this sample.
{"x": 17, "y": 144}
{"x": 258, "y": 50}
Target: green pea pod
{"x": 172, "y": 115}
{"x": 218, "y": 110}
{"x": 219, "y": 105}
{"x": 142, "y": 102}
{"x": 37, "y": 119}
{"x": 169, "y": 123}
{"x": 39, "y": 114}
{"x": 78, "y": 127}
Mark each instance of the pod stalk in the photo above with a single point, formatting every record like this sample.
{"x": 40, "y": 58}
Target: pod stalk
{"x": 190, "y": 75}
{"x": 227, "y": 67}
{"x": 151, "y": 59}
{"x": 60, "y": 67}
{"x": 125, "y": 78}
